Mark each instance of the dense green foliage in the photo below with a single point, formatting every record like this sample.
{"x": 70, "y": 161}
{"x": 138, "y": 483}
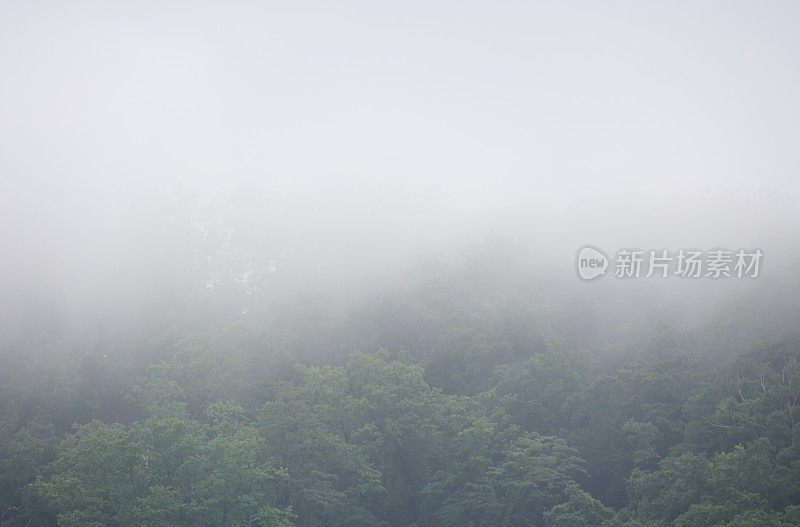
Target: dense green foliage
{"x": 491, "y": 424}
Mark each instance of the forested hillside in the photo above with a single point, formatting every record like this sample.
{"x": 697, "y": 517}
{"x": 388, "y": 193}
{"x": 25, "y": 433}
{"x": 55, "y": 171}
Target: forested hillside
{"x": 399, "y": 264}
{"x": 493, "y": 424}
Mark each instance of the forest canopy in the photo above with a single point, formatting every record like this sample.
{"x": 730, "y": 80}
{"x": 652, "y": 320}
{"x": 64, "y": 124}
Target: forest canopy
{"x": 493, "y": 418}
{"x": 399, "y": 264}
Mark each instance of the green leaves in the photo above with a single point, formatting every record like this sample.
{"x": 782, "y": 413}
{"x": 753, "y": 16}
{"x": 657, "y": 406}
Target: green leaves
{"x": 163, "y": 472}
{"x": 580, "y": 510}
{"x": 368, "y": 442}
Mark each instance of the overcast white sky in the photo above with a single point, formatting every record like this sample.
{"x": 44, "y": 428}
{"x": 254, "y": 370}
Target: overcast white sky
{"x": 467, "y": 99}
{"x": 638, "y": 123}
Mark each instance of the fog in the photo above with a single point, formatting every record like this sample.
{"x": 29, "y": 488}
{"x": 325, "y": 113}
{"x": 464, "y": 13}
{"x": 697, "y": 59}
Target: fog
{"x": 203, "y": 163}
{"x": 399, "y": 264}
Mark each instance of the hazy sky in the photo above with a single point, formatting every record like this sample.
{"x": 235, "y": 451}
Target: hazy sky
{"x": 478, "y": 102}
{"x": 398, "y": 123}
